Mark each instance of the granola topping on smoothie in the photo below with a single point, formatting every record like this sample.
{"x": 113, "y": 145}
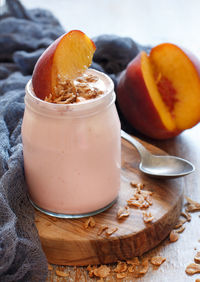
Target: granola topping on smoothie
{"x": 69, "y": 91}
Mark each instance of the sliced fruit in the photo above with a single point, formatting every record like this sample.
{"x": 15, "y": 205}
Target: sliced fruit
{"x": 176, "y": 67}
{"x": 159, "y": 94}
{"x": 67, "y": 57}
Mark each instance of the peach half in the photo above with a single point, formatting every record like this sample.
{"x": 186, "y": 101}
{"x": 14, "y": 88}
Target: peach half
{"x": 67, "y": 57}
{"x": 159, "y": 94}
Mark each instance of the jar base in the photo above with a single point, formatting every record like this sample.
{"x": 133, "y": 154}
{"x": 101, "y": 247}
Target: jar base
{"x": 62, "y": 215}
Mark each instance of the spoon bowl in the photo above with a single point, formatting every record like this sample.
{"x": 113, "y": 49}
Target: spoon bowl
{"x": 159, "y": 166}
{"x": 166, "y": 166}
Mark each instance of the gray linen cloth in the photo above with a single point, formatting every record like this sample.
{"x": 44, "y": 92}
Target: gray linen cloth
{"x": 23, "y": 37}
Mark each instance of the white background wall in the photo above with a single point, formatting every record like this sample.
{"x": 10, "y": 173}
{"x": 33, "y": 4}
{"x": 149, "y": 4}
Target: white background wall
{"x": 146, "y": 21}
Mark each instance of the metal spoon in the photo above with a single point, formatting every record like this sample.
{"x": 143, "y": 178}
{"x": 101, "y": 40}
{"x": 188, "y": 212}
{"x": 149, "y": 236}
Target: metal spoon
{"x": 159, "y": 166}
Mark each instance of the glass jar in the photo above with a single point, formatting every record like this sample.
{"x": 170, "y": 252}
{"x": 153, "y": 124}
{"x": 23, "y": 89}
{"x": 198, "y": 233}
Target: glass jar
{"x": 72, "y": 153}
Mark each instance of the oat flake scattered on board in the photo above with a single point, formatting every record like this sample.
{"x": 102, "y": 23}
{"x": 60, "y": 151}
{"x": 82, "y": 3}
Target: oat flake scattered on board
{"x": 157, "y": 260}
{"x": 192, "y": 268}
{"x": 173, "y": 237}
{"x": 61, "y": 273}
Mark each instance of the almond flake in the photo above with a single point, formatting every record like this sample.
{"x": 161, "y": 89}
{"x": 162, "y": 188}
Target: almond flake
{"x": 140, "y": 186}
{"x": 121, "y": 275}
{"x": 91, "y": 78}
{"x": 144, "y": 266}
{"x": 192, "y": 206}
{"x": 147, "y": 217}
{"x": 123, "y": 212}
{"x": 197, "y": 257}
{"x": 138, "y": 268}
{"x": 134, "y": 261}
{"x": 186, "y": 215}
{"x": 50, "y": 267}
{"x": 111, "y": 230}
{"x": 131, "y": 268}
{"x": 173, "y": 236}
{"x": 101, "y": 229}
{"x": 149, "y": 200}
{"x": 102, "y": 271}
{"x": 133, "y": 184}
{"x": 121, "y": 267}
{"x": 192, "y": 268}
{"x": 137, "y": 185}
{"x": 90, "y": 222}
{"x": 91, "y": 269}
{"x": 134, "y": 203}
{"x": 190, "y": 201}
{"x": 61, "y": 273}
{"x": 180, "y": 223}
{"x": 80, "y": 79}
{"x": 144, "y": 205}
{"x": 181, "y": 229}
{"x": 157, "y": 260}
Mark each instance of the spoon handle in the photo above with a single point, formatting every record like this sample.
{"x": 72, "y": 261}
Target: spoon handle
{"x": 141, "y": 149}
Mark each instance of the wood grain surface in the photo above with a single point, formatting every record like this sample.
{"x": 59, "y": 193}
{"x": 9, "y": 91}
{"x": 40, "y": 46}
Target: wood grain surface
{"x": 67, "y": 242}
{"x": 179, "y": 254}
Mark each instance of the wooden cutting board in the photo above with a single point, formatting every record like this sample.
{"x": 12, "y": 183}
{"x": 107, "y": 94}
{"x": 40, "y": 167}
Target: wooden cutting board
{"x": 67, "y": 242}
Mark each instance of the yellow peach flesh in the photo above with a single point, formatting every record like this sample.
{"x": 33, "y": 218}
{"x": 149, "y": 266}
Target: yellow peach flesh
{"x": 156, "y": 98}
{"x": 72, "y": 57}
{"x": 174, "y": 64}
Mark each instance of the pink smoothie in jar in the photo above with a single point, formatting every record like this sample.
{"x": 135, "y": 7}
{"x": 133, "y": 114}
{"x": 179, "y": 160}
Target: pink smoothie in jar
{"x": 72, "y": 152}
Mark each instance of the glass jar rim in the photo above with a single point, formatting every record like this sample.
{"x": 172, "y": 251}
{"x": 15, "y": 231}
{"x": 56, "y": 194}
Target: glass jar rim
{"x": 88, "y": 106}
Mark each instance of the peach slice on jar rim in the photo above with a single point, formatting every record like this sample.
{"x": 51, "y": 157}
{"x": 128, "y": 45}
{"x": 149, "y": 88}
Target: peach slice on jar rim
{"x": 66, "y": 58}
